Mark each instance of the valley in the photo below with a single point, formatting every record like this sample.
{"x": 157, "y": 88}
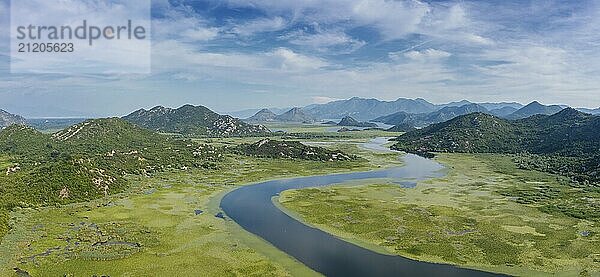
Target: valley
{"x": 105, "y": 196}
{"x": 466, "y": 218}
{"x": 354, "y": 138}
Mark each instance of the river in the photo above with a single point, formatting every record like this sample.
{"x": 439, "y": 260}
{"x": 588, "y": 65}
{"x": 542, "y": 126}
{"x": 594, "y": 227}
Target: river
{"x": 252, "y": 208}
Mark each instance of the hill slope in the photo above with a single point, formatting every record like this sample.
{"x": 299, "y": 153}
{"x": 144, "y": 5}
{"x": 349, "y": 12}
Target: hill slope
{"x": 194, "y": 121}
{"x": 264, "y": 115}
{"x": 267, "y": 148}
{"x": 351, "y": 122}
{"x": 7, "y": 119}
{"x": 568, "y": 133}
{"x": 295, "y": 115}
{"x": 86, "y": 161}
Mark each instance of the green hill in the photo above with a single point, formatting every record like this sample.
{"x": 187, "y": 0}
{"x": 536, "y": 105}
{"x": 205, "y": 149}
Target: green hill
{"x": 193, "y": 121}
{"x": 569, "y": 140}
{"x": 348, "y": 121}
{"x": 86, "y": 161}
{"x": 267, "y": 148}
{"x": 534, "y": 108}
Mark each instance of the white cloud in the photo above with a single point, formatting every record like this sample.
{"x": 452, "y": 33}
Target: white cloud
{"x": 175, "y": 56}
{"x": 178, "y": 23}
{"x": 200, "y": 34}
{"x": 260, "y": 26}
{"x": 477, "y": 39}
{"x": 287, "y": 59}
{"x": 322, "y": 41}
{"x": 323, "y": 99}
{"x": 424, "y": 55}
{"x": 392, "y": 18}
{"x": 532, "y": 62}
{"x": 104, "y": 56}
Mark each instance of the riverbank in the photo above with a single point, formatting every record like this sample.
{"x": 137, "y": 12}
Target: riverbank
{"x": 459, "y": 219}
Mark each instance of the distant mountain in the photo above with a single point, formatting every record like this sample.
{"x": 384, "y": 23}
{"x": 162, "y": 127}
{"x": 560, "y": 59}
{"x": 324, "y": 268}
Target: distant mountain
{"x": 194, "y": 121}
{"x": 399, "y": 118}
{"x": 348, "y": 121}
{"x": 501, "y": 105}
{"x": 421, "y": 120}
{"x": 367, "y": 109}
{"x": 503, "y": 112}
{"x": 51, "y": 124}
{"x": 451, "y": 112}
{"x": 590, "y": 111}
{"x": 534, "y": 108}
{"x": 568, "y": 133}
{"x": 7, "y": 119}
{"x": 295, "y": 115}
{"x": 250, "y": 112}
{"x": 454, "y": 104}
{"x": 264, "y": 115}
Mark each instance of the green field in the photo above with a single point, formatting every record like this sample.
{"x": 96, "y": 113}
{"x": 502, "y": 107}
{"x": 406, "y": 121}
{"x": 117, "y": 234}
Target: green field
{"x": 153, "y": 228}
{"x": 474, "y": 217}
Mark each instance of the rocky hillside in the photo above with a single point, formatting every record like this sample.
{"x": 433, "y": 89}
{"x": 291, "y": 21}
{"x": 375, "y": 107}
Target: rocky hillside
{"x": 7, "y": 119}
{"x": 267, "y": 148}
{"x": 348, "y": 121}
{"x": 264, "y": 115}
{"x": 295, "y": 115}
{"x": 87, "y": 161}
{"x": 193, "y": 121}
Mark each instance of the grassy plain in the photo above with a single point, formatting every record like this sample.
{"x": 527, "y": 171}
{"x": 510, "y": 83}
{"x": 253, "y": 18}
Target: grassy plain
{"x": 163, "y": 225}
{"x": 469, "y": 218}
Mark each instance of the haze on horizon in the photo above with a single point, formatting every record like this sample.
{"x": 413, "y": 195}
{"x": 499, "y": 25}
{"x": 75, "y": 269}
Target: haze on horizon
{"x": 236, "y": 54}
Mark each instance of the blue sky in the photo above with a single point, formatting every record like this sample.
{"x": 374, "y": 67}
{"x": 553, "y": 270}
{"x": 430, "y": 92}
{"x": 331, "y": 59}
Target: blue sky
{"x": 237, "y": 54}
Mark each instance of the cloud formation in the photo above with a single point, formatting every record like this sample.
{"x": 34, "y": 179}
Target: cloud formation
{"x": 295, "y": 52}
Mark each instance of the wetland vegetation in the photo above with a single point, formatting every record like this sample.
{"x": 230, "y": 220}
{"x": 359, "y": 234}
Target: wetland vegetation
{"x": 162, "y": 208}
{"x": 153, "y": 221}
{"x": 485, "y": 214}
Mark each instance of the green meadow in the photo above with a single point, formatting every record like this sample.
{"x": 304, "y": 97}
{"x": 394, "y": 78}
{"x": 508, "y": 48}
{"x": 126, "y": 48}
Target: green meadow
{"x": 164, "y": 224}
{"x": 474, "y": 217}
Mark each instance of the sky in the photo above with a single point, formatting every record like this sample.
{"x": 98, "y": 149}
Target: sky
{"x": 236, "y": 54}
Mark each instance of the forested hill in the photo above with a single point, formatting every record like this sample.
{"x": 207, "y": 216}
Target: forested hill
{"x": 568, "y": 133}
{"x": 193, "y": 121}
{"x": 85, "y": 161}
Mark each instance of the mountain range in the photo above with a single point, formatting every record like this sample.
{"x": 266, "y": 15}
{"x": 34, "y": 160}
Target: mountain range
{"x": 424, "y": 119}
{"x": 367, "y": 109}
{"x": 449, "y": 112}
{"x": 193, "y": 121}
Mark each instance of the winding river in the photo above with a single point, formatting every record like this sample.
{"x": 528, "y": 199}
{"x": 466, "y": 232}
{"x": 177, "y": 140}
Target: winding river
{"x": 252, "y": 208}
